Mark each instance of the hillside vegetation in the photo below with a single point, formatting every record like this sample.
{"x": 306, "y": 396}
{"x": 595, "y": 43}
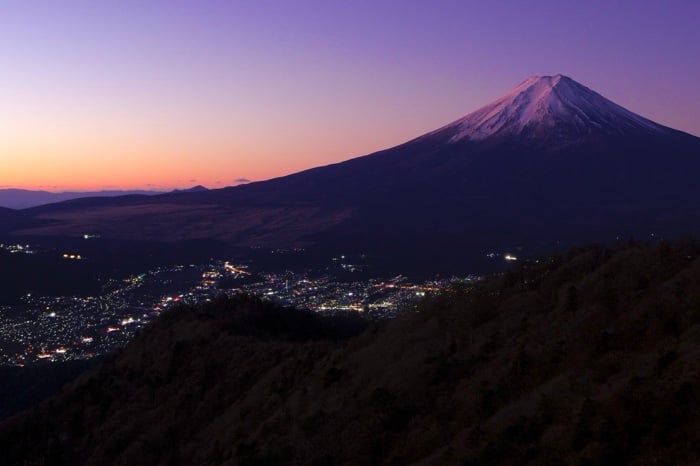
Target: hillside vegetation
{"x": 591, "y": 357}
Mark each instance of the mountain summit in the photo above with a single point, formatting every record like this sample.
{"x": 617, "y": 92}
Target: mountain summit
{"x": 548, "y": 107}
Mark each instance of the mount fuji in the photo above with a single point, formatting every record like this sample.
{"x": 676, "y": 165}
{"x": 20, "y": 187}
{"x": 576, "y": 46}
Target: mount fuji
{"x": 547, "y": 164}
{"x": 547, "y": 108}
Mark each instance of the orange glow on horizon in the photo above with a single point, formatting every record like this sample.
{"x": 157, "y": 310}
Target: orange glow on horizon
{"x": 151, "y": 167}
{"x": 90, "y": 157}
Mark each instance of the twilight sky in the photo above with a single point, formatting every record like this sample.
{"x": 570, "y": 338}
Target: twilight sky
{"x": 165, "y": 94}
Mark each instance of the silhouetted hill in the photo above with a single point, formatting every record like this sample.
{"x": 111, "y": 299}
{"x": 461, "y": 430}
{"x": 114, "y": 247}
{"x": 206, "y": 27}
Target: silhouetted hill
{"x": 193, "y": 189}
{"x": 585, "y": 358}
{"x": 5, "y": 212}
{"x": 10, "y": 219}
{"x": 23, "y": 198}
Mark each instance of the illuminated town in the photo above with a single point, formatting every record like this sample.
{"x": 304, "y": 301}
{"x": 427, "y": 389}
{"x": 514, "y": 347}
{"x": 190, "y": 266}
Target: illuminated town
{"x": 61, "y": 328}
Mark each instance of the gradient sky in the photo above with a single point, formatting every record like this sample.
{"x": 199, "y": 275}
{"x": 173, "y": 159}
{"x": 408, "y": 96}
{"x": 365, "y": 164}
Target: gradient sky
{"x": 165, "y": 94}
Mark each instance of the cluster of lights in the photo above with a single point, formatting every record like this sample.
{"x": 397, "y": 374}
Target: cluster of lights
{"x": 508, "y": 257}
{"x": 319, "y": 294}
{"x": 229, "y": 267}
{"x": 17, "y": 248}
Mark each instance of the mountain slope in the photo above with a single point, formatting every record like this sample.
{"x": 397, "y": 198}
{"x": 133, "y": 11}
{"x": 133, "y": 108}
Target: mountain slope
{"x": 11, "y": 219}
{"x": 550, "y": 162}
{"x": 6, "y": 213}
{"x": 586, "y": 358}
{"x": 23, "y": 198}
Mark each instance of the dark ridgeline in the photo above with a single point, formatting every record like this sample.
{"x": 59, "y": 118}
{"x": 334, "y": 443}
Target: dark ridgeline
{"x": 24, "y": 198}
{"x": 549, "y": 163}
{"x": 585, "y": 358}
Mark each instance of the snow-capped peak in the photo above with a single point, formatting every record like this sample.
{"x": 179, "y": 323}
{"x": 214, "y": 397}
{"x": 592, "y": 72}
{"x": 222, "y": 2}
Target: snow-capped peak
{"x": 549, "y": 106}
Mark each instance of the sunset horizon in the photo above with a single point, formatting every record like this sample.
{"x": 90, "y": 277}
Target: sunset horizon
{"x": 117, "y": 96}
{"x": 169, "y": 184}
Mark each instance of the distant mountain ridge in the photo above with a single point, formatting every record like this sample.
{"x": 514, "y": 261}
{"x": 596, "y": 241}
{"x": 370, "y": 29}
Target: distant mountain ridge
{"x": 193, "y": 189}
{"x": 25, "y": 198}
{"x": 549, "y": 163}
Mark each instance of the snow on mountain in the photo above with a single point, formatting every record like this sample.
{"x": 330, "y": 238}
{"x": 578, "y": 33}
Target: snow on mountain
{"x": 549, "y": 106}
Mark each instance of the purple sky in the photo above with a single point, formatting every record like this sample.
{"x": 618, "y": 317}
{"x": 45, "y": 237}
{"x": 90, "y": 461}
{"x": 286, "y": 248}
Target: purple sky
{"x": 168, "y": 94}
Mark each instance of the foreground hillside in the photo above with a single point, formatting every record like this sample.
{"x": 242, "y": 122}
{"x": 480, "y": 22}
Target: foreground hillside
{"x": 586, "y": 358}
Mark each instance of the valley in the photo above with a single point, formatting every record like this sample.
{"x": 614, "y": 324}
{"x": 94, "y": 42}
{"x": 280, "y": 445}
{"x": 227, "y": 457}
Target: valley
{"x": 56, "y": 328}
